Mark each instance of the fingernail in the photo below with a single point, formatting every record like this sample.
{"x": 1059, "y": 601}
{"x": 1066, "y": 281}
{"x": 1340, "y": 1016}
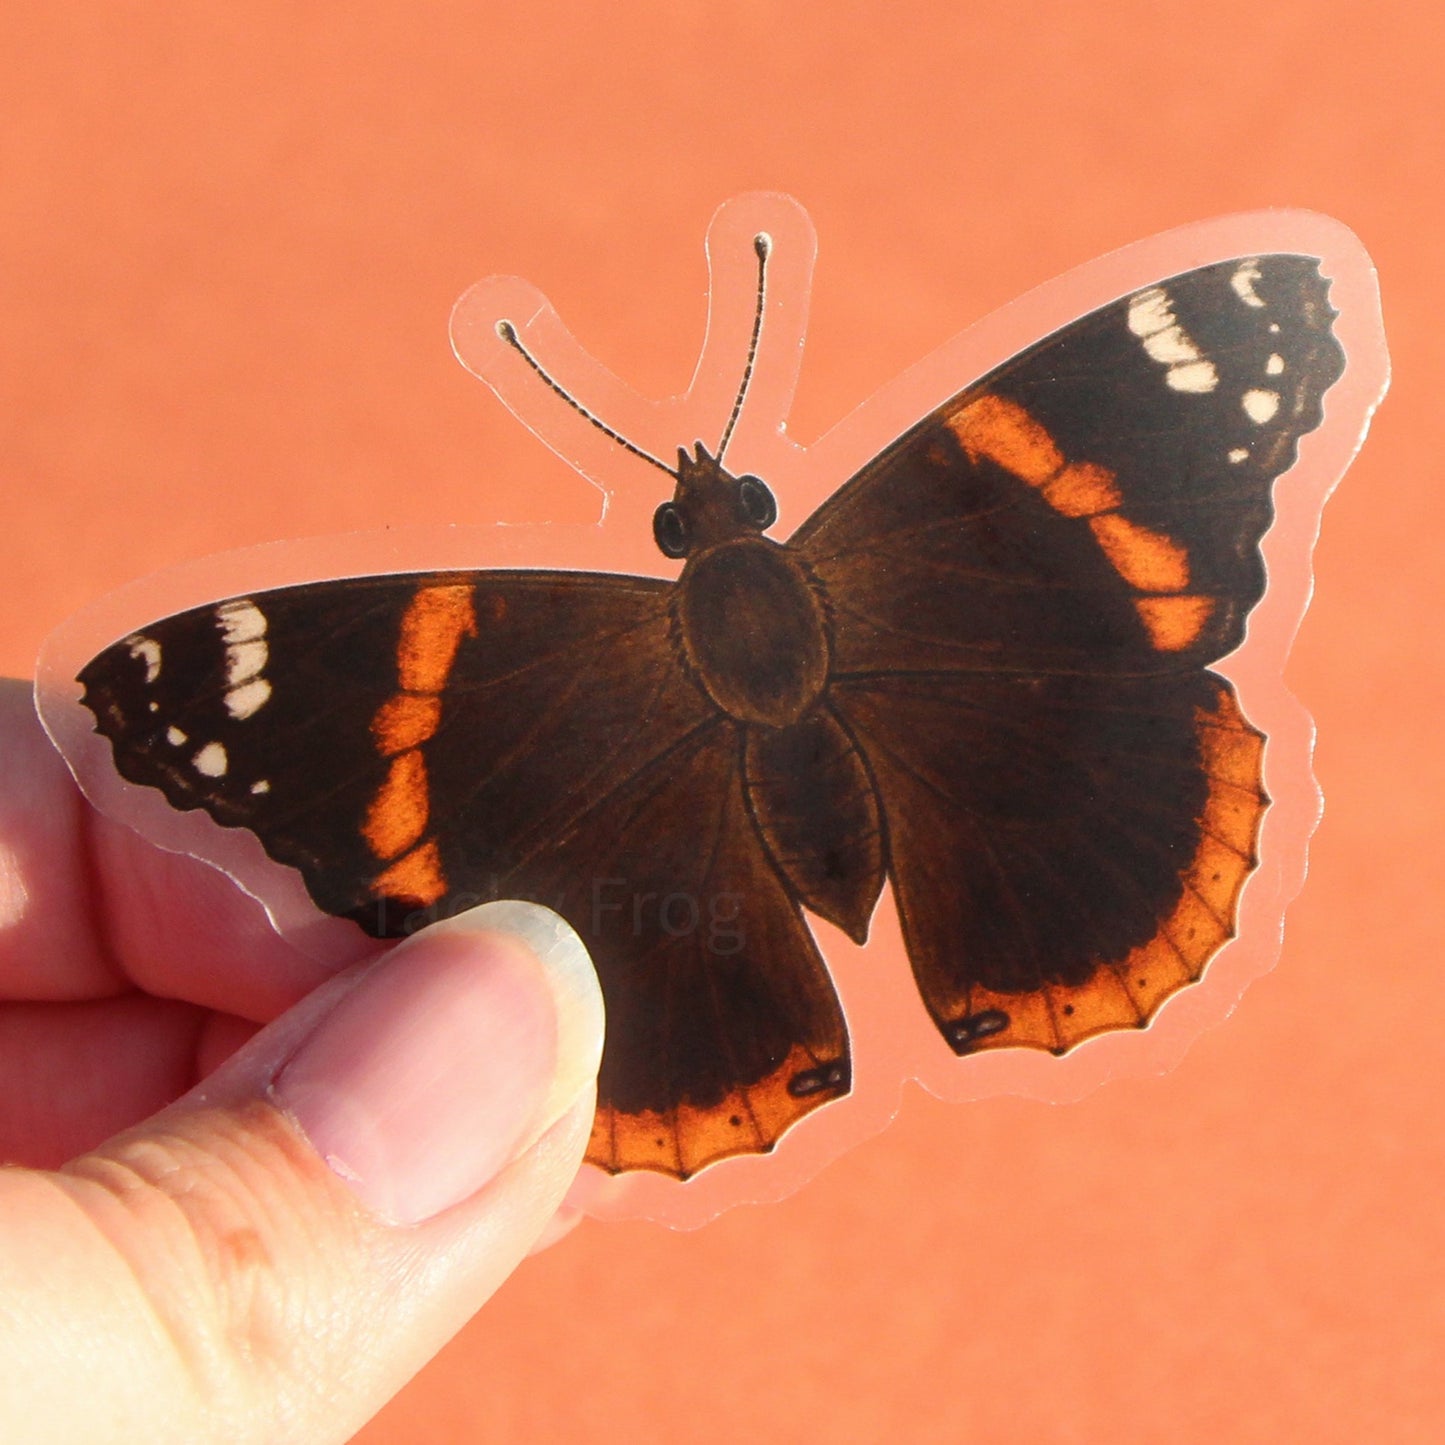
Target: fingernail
{"x": 449, "y": 1059}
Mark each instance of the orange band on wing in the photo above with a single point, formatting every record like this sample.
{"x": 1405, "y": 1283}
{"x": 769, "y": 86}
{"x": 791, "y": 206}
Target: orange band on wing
{"x": 1005, "y": 433}
{"x": 431, "y": 631}
{"x": 432, "y": 628}
{"x": 398, "y": 813}
{"x": 405, "y": 721}
{"x": 418, "y": 877}
{"x": 1082, "y": 489}
{"x": 1174, "y": 622}
{"x": 1148, "y": 561}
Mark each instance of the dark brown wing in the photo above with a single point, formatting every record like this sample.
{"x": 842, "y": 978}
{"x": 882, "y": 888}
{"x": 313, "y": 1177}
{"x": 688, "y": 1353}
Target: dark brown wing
{"x": 1026, "y": 591}
{"x": 1065, "y": 852}
{"x": 723, "y": 1026}
{"x": 398, "y": 738}
{"x": 417, "y": 745}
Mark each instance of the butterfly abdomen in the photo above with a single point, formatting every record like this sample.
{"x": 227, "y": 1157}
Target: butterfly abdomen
{"x": 812, "y": 797}
{"x": 754, "y": 630}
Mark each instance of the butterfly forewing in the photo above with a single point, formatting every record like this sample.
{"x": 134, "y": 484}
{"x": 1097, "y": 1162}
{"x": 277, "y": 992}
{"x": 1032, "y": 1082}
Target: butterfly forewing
{"x": 318, "y": 715}
{"x": 259, "y": 710}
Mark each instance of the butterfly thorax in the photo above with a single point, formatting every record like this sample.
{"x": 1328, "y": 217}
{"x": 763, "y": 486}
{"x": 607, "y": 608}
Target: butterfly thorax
{"x": 754, "y": 630}
{"x": 749, "y": 615}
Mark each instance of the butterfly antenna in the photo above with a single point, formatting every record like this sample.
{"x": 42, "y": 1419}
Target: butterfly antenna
{"x": 508, "y": 333}
{"x": 763, "y": 245}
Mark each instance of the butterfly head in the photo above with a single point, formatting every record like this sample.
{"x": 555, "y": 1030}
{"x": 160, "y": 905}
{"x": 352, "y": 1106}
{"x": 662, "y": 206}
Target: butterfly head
{"x": 710, "y": 506}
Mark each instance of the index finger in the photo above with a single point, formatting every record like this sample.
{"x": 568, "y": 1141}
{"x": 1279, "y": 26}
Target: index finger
{"x": 89, "y": 909}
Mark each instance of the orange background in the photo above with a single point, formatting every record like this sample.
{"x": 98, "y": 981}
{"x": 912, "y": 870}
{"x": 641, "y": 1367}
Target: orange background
{"x": 229, "y": 240}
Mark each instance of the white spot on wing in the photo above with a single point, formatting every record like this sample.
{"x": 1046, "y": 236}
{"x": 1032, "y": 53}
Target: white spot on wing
{"x": 245, "y": 660}
{"x": 1239, "y": 454}
{"x": 243, "y": 701}
{"x": 211, "y": 761}
{"x": 1196, "y": 376}
{"x": 261, "y": 787}
{"x": 1259, "y": 405}
{"x": 1275, "y": 365}
{"x": 1245, "y": 275}
{"x": 243, "y": 629}
{"x": 1149, "y": 312}
{"x": 148, "y": 651}
{"x": 1152, "y": 320}
{"x": 1168, "y": 345}
{"x": 241, "y": 620}
{"x": 175, "y": 737}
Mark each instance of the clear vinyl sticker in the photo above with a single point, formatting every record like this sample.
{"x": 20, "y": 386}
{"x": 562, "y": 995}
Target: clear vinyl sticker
{"x": 953, "y": 746}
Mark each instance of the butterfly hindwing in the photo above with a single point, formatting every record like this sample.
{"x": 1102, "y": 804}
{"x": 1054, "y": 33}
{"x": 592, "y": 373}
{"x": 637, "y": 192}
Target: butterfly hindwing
{"x": 1063, "y": 851}
{"x": 723, "y": 1025}
{"x": 1027, "y": 588}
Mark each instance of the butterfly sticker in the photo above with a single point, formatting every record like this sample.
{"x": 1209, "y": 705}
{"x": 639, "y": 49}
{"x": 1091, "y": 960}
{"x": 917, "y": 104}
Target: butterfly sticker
{"x": 968, "y": 692}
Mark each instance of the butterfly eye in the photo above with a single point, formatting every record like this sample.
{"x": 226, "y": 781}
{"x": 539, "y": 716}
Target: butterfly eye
{"x": 756, "y": 503}
{"x": 670, "y": 531}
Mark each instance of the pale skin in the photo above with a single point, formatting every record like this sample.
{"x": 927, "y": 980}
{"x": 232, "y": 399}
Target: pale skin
{"x": 180, "y": 1263}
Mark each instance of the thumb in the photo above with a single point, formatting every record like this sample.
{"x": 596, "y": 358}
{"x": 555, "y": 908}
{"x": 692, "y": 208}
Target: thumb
{"x": 273, "y": 1256}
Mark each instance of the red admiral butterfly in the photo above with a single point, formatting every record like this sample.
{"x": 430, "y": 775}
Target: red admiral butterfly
{"x": 979, "y": 673}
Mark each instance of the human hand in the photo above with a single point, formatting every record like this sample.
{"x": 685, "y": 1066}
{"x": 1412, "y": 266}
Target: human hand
{"x": 177, "y": 1260}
